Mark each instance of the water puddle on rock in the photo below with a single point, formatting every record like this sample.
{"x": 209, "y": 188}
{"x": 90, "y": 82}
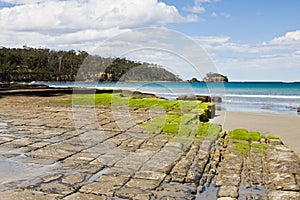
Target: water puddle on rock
{"x": 208, "y": 192}
{"x": 3, "y": 127}
{"x": 3, "y": 124}
{"x": 98, "y": 174}
{"x": 254, "y": 191}
{"x": 15, "y": 174}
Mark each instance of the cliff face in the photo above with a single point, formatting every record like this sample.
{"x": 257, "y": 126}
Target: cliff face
{"x": 215, "y": 77}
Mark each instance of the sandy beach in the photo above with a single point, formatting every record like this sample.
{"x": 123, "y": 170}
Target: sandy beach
{"x": 284, "y": 126}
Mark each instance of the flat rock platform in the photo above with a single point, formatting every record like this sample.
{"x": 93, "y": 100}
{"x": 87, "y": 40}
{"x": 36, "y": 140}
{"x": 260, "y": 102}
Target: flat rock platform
{"x": 62, "y": 152}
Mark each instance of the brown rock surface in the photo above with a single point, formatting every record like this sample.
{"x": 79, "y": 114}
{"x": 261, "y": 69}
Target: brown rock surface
{"x": 44, "y": 156}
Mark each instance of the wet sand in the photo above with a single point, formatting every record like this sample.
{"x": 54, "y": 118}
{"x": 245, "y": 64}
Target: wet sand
{"x": 287, "y": 127}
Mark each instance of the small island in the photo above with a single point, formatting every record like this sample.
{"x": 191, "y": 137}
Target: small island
{"x": 215, "y": 77}
{"x": 211, "y": 77}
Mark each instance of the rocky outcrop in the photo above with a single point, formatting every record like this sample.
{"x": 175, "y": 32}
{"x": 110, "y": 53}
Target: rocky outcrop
{"x": 194, "y": 80}
{"x": 216, "y": 99}
{"x": 202, "y": 98}
{"x": 136, "y": 94}
{"x": 298, "y": 111}
{"x": 215, "y": 77}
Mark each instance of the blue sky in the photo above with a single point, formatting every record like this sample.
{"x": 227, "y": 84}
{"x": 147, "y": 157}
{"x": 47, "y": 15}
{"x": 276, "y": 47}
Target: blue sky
{"x": 245, "y": 21}
{"x": 246, "y": 39}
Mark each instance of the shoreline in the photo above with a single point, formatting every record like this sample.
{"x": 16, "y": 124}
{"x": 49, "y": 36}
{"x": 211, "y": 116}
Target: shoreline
{"x": 282, "y": 125}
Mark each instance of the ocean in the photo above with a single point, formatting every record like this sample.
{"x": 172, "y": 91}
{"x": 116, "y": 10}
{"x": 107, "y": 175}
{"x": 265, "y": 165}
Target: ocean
{"x": 258, "y": 97}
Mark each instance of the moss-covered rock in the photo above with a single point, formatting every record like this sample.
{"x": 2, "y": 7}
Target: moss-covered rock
{"x": 183, "y": 118}
{"x": 243, "y": 134}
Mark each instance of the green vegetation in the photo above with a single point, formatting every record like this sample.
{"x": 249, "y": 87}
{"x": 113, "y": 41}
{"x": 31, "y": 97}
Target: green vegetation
{"x": 125, "y": 70}
{"x": 157, "y": 103}
{"x": 242, "y": 134}
{"x": 182, "y": 117}
{"x": 241, "y": 149}
{"x": 259, "y": 146}
{"x": 30, "y": 64}
{"x": 106, "y": 99}
{"x": 181, "y": 139}
{"x": 182, "y": 121}
{"x": 240, "y": 143}
{"x": 273, "y": 137}
{"x": 183, "y": 126}
{"x": 114, "y": 99}
{"x": 15, "y": 85}
{"x": 196, "y": 109}
{"x": 208, "y": 129}
{"x": 243, "y": 141}
{"x": 36, "y": 64}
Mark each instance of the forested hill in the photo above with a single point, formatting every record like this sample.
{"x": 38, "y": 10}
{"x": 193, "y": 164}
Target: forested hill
{"x": 37, "y": 64}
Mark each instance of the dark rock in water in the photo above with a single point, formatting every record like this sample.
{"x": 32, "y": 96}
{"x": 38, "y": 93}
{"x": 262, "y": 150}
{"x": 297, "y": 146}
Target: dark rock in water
{"x": 195, "y": 97}
{"x": 298, "y": 111}
{"x": 185, "y": 97}
{"x": 220, "y": 108}
{"x": 216, "y": 99}
{"x": 211, "y": 77}
{"x": 202, "y": 98}
{"x": 213, "y": 111}
{"x": 135, "y": 94}
{"x": 194, "y": 80}
{"x": 266, "y": 107}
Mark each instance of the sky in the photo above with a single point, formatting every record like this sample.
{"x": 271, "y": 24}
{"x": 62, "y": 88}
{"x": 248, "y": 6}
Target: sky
{"x": 247, "y": 40}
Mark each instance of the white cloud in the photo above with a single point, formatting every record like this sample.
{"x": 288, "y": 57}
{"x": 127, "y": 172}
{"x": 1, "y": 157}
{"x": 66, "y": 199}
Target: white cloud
{"x": 287, "y": 43}
{"x": 289, "y": 37}
{"x": 205, "y": 1}
{"x": 196, "y": 9}
{"x": 214, "y": 14}
{"x": 74, "y": 14}
{"x": 75, "y": 21}
{"x": 276, "y": 59}
{"x": 23, "y": 1}
{"x": 226, "y": 15}
{"x": 211, "y": 39}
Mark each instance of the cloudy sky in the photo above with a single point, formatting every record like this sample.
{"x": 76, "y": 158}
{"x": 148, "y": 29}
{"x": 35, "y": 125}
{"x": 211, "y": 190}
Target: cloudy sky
{"x": 246, "y": 39}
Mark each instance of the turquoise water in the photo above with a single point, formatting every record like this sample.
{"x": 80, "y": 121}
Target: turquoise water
{"x": 266, "y": 97}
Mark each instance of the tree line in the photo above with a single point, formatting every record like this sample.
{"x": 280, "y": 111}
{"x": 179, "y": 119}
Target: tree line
{"x": 40, "y": 64}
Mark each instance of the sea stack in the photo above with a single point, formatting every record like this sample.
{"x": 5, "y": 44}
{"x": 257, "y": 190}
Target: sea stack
{"x": 194, "y": 80}
{"x": 215, "y": 77}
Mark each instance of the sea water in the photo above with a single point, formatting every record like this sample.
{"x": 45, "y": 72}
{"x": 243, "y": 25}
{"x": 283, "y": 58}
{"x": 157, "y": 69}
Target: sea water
{"x": 262, "y": 97}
